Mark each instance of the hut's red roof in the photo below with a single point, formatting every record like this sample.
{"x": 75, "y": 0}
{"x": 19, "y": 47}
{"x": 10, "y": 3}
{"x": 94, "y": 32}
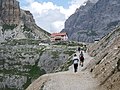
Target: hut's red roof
{"x": 58, "y": 34}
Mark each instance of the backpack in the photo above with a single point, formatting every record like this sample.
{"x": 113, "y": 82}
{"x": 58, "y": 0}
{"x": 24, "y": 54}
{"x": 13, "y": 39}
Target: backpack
{"x": 81, "y": 58}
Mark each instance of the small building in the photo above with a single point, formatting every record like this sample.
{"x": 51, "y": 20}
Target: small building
{"x": 59, "y": 37}
{"x": 96, "y": 40}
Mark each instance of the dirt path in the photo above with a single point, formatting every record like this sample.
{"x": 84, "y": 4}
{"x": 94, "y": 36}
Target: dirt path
{"x": 82, "y": 80}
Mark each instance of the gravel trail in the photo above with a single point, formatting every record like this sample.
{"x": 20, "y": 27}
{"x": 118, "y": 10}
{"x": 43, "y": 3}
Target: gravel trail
{"x": 68, "y": 80}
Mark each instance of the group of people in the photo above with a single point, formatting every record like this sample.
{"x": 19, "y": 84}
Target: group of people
{"x": 78, "y": 60}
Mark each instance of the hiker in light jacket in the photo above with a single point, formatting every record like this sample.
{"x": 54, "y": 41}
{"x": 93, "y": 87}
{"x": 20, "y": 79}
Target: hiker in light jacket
{"x": 75, "y": 62}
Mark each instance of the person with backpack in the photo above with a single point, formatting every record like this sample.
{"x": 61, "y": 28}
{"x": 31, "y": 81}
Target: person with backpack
{"x": 81, "y": 53}
{"x": 81, "y": 59}
{"x": 75, "y": 62}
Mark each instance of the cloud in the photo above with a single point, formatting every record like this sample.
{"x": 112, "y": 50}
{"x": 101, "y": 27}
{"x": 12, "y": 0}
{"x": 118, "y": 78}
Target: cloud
{"x": 49, "y": 16}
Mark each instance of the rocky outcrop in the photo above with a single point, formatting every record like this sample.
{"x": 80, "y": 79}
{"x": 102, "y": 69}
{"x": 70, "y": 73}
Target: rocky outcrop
{"x": 16, "y": 23}
{"x": 106, "y": 64}
{"x": 9, "y": 11}
{"x": 22, "y": 61}
{"x": 93, "y": 20}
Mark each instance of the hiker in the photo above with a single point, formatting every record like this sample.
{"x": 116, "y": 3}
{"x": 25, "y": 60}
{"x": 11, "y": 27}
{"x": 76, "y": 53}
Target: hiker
{"x": 85, "y": 48}
{"x": 81, "y": 54}
{"x": 75, "y": 62}
{"x": 81, "y": 60}
{"x": 79, "y": 49}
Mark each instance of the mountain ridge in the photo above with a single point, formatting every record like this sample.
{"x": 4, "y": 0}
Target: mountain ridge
{"x": 93, "y": 20}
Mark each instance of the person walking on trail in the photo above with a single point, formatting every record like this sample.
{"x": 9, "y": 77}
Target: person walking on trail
{"x": 81, "y": 59}
{"x": 85, "y": 48}
{"x": 81, "y": 53}
{"x": 79, "y": 49}
{"x": 75, "y": 62}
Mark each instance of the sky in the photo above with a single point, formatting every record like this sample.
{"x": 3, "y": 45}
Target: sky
{"x": 51, "y": 14}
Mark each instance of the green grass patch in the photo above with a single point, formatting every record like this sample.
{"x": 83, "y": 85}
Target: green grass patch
{"x": 10, "y": 71}
{"x": 35, "y": 72}
{"x": 23, "y": 42}
{"x": 1, "y": 79}
{"x": 75, "y": 44}
{"x": 26, "y": 28}
{"x": 7, "y": 27}
{"x": 27, "y": 83}
{"x": 66, "y": 65}
{"x": 40, "y": 50}
{"x": 67, "y": 43}
{"x": 69, "y": 52}
{"x": 55, "y": 54}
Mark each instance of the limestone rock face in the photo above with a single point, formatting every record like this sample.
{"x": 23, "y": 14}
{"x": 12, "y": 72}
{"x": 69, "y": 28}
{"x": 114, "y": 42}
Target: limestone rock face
{"x": 106, "y": 64}
{"x": 19, "y": 46}
{"x": 93, "y": 20}
{"x": 9, "y": 11}
{"x": 16, "y": 23}
{"x": 57, "y": 54}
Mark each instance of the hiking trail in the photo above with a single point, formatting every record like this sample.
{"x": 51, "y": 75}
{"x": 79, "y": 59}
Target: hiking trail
{"x": 68, "y": 80}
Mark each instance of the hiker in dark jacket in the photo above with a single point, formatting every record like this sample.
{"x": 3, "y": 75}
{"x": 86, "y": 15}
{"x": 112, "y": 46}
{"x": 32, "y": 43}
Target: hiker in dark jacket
{"x": 81, "y": 60}
{"x": 79, "y": 49}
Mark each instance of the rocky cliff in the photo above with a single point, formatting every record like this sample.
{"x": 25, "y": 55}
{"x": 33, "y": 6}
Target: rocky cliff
{"x": 16, "y": 23}
{"x": 9, "y": 11}
{"x": 106, "y": 63}
{"x": 93, "y": 20}
{"x": 22, "y": 61}
{"x": 19, "y": 47}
